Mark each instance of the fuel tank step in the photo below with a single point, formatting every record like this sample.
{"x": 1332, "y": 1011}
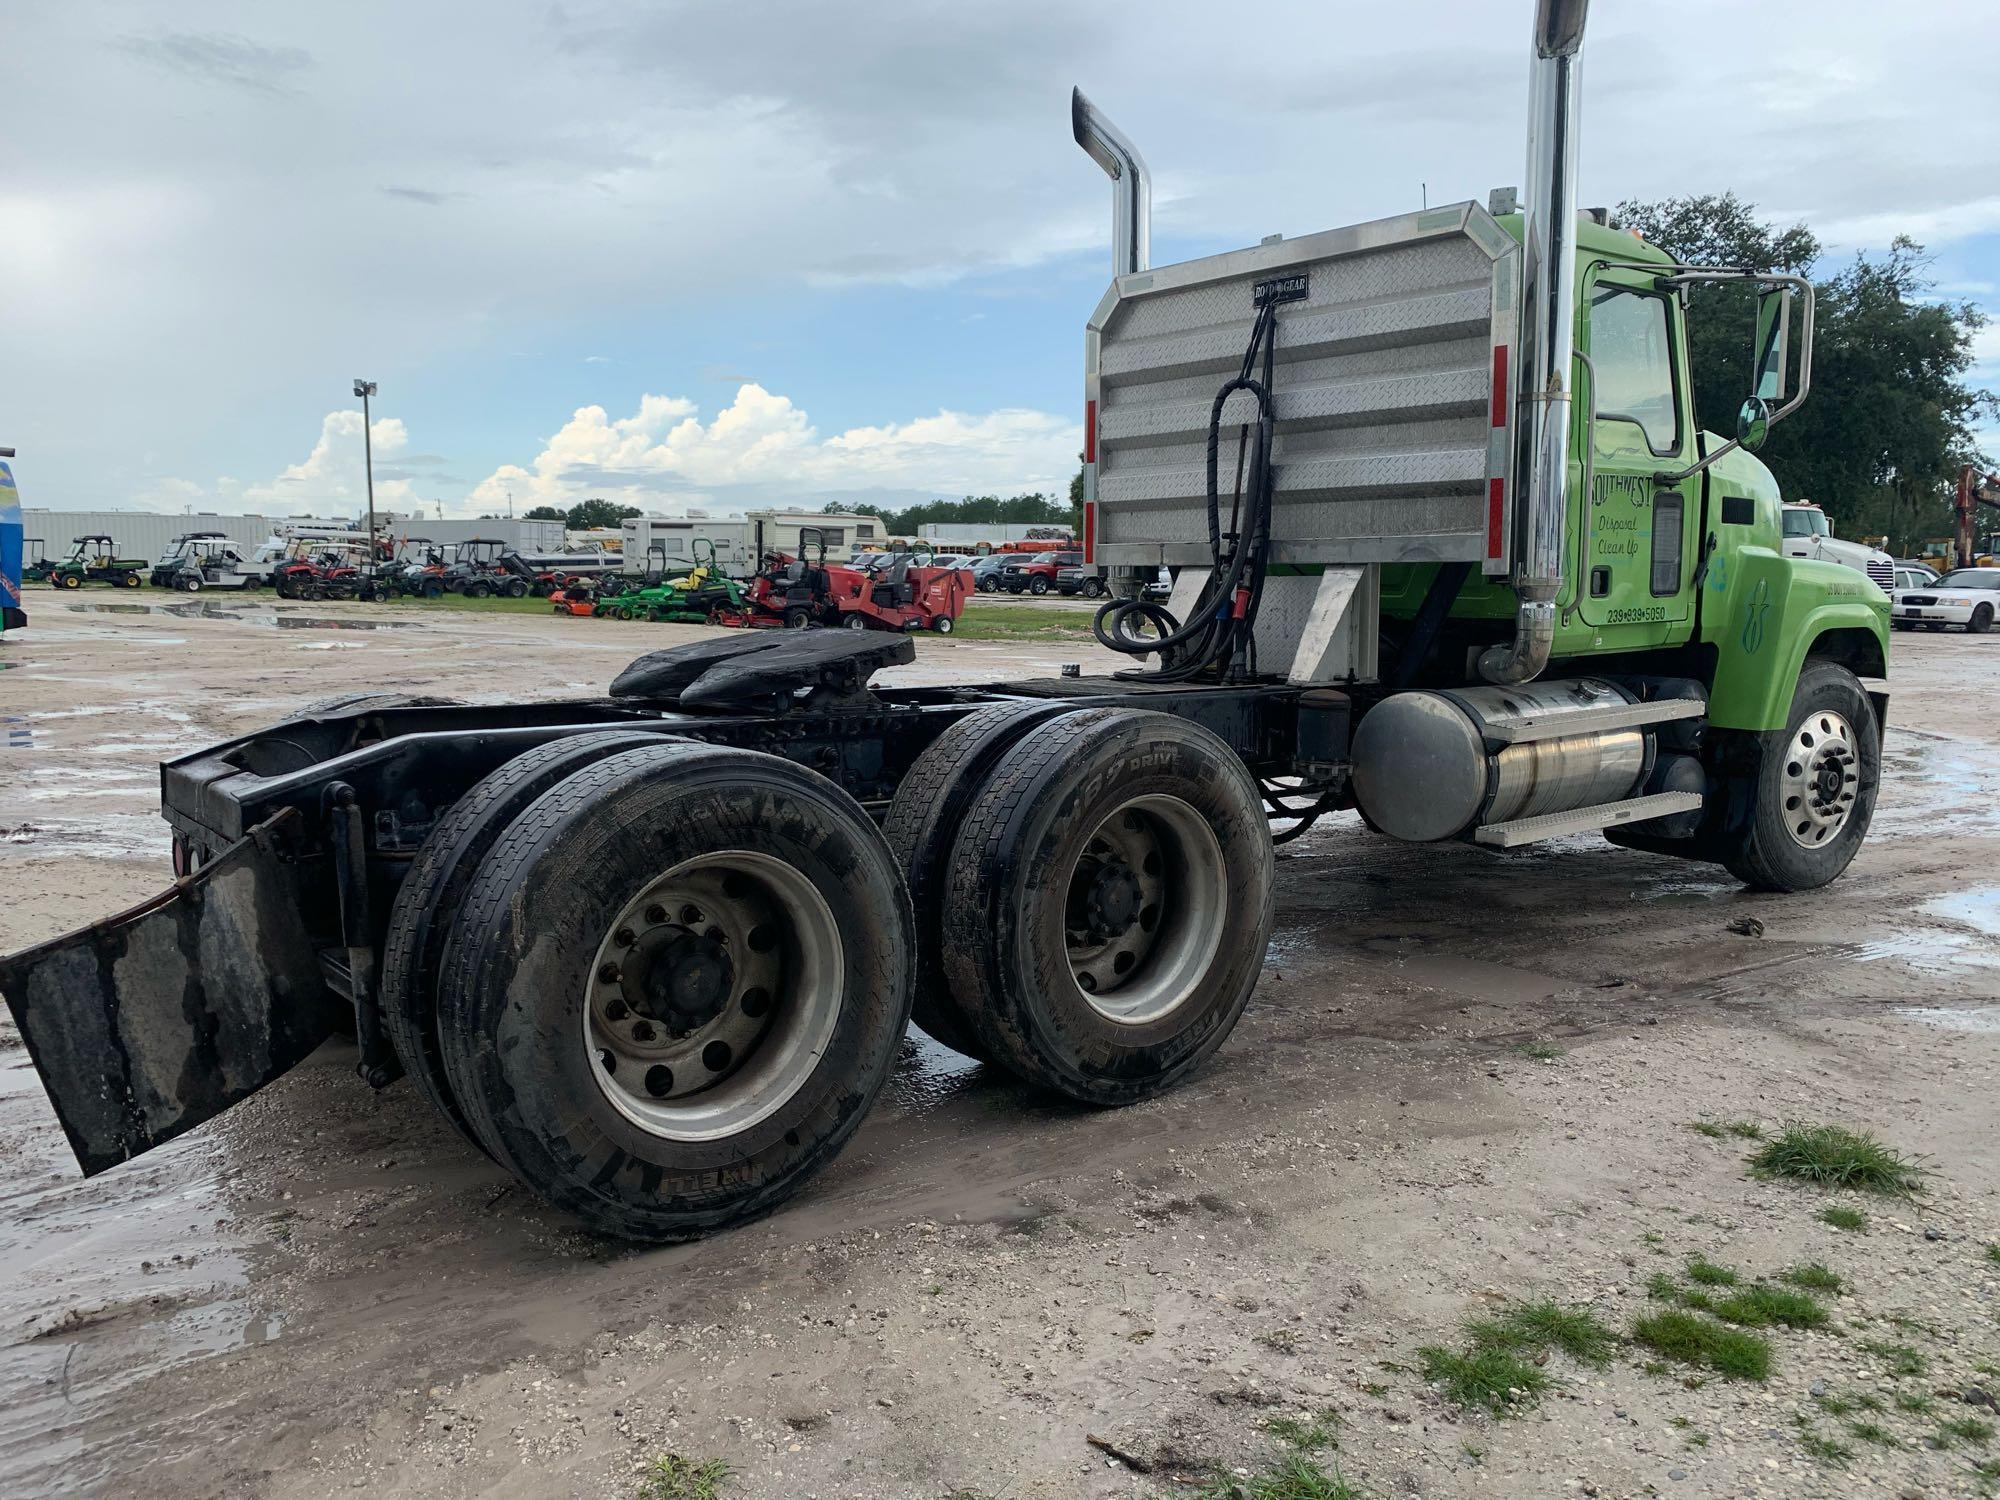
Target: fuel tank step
{"x": 1548, "y": 726}
{"x": 1584, "y": 819}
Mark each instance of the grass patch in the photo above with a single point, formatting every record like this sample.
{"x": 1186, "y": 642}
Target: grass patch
{"x": 1903, "y": 1361}
{"x": 1915, "y": 1402}
{"x": 1498, "y": 1372}
{"x": 1993, "y": 1254}
{"x": 1689, "y": 1339}
{"x": 1307, "y": 1434}
{"x": 1708, "y": 1273}
{"x": 1293, "y": 1477}
{"x": 1761, "y": 1306}
{"x": 1016, "y": 622}
{"x": 1540, "y": 1052}
{"x": 1814, "y": 1277}
{"x": 1968, "y": 1430}
{"x": 1663, "y": 1288}
{"x": 1835, "y": 1157}
{"x": 1282, "y": 1340}
{"x": 1539, "y": 1327}
{"x": 1722, "y": 1130}
{"x": 1490, "y": 1380}
{"x": 1825, "y": 1450}
{"x": 673, "y": 1477}
{"x": 1873, "y": 1432}
{"x": 1850, "y": 1219}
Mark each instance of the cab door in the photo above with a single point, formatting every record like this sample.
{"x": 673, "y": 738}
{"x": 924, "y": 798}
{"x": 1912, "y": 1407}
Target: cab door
{"x": 1639, "y": 537}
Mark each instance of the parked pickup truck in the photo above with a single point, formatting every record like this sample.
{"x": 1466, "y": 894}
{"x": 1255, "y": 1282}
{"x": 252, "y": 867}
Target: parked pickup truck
{"x": 1037, "y": 574}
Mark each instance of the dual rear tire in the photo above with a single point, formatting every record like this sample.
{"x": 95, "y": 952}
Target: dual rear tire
{"x": 1095, "y": 894}
{"x": 662, "y": 982}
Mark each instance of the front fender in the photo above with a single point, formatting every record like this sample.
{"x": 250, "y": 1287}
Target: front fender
{"x": 1763, "y": 612}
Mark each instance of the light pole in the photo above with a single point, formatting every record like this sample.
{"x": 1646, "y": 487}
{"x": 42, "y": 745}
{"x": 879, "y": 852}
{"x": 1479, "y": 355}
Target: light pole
{"x": 364, "y": 389}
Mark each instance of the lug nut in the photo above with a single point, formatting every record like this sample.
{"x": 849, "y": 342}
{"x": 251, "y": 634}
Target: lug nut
{"x": 608, "y": 973}
{"x": 656, "y": 913}
{"x": 624, "y": 937}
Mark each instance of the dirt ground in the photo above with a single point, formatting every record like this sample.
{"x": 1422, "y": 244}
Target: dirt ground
{"x": 1465, "y": 1079}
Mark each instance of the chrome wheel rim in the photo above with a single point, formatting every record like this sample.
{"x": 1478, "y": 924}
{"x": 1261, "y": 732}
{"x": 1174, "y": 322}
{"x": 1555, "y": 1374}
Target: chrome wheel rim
{"x": 1820, "y": 780}
{"x": 713, "y": 996}
{"x": 1146, "y": 902}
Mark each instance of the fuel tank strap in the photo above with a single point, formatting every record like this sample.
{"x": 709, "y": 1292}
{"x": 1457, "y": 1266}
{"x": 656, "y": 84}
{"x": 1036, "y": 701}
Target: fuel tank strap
{"x": 148, "y": 1023}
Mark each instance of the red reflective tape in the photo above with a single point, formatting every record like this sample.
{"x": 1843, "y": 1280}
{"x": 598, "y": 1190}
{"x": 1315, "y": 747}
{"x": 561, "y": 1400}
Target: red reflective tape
{"x": 1090, "y": 432}
{"x": 1496, "y": 495}
{"x": 1499, "y": 385}
{"x": 1090, "y": 532}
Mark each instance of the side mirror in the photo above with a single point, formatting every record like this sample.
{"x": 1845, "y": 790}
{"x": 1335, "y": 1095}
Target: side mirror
{"x": 1774, "y": 328}
{"x": 1753, "y": 423}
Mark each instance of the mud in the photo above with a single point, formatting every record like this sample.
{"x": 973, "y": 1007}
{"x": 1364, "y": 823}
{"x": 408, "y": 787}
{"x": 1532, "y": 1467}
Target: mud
{"x": 327, "y": 1292}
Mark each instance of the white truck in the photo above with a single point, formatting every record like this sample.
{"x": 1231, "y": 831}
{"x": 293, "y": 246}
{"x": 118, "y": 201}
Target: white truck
{"x": 1808, "y": 533}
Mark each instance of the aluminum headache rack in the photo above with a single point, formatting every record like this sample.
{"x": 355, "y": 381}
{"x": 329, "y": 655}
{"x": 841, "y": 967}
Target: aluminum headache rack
{"x": 1394, "y": 414}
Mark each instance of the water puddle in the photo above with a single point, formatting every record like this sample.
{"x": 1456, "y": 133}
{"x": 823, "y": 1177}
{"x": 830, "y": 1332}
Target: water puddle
{"x": 1986, "y": 1019}
{"x": 928, "y": 1075}
{"x": 98, "y": 1294}
{"x": 1931, "y": 952}
{"x": 1929, "y": 779}
{"x": 1978, "y": 909}
{"x": 264, "y": 618}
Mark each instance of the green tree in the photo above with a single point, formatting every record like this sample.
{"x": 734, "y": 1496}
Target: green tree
{"x": 590, "y": 515}
{"x": 1892, "y": 415}
{"x": 545, "y": 513}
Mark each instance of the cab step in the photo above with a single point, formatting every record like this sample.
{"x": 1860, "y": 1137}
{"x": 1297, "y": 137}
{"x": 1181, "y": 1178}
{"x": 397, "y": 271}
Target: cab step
{"x": 1516, "y": 731}
{"x": 1585, "y": 819}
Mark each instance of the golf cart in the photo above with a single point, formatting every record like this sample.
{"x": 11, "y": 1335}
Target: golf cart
{"x": 95, "y": 560}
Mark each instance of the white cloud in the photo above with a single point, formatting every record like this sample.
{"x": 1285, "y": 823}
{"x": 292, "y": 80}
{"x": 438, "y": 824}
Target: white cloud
{"x": 762, "y": 447}
{"x": 332, "y": 477}
{"x": 330, "y": 480}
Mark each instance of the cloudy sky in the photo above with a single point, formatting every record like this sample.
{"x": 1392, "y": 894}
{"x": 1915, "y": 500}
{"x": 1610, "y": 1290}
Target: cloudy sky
{"x": 723, "y": 252}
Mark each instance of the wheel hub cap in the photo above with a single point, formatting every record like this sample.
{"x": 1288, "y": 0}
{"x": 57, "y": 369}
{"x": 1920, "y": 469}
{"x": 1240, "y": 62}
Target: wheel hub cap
{"x": 1821, "y": 779}
{"x": 679, "y": 978}
{"x": 714, "y": 995}
{"x": 1148, "y": 898}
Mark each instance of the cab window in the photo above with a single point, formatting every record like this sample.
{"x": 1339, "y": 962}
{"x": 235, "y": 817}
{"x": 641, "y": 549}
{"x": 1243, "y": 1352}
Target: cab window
{"x": 1632, "y": 356}
{"x": 1807, "y": 523}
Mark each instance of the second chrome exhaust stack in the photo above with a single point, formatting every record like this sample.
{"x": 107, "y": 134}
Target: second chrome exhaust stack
{"x": 1547, "y": 341}
{"x": 1131, "y": 184}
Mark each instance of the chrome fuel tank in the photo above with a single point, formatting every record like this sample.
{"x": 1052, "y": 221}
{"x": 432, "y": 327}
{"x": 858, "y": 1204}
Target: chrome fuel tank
{"x": 1426, "y": 767}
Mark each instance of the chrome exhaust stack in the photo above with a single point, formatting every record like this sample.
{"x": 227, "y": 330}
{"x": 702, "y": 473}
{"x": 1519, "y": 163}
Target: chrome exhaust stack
{"x": 1547, "y": 341}
{"x": 1131, "y": 184}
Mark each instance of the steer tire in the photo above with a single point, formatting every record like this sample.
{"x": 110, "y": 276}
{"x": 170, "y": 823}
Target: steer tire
{"x": 922, "y": 825}
{"x": 523, "y": 987}
{"x": 1146, "y": 799}
{"x": 420, "y": 918}
{"x": 1981, "y": 621}
{"x": 1769, "y": 854}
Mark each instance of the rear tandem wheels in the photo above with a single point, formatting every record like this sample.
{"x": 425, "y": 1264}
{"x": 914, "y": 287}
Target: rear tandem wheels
{"x": 662, "y": 981}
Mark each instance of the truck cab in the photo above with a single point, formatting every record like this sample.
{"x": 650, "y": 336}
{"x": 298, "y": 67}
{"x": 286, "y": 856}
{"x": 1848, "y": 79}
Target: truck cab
{"x": 1808, "y": 533}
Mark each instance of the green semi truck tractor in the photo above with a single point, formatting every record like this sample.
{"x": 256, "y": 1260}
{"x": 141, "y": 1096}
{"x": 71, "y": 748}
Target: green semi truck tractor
{"x": 1488, "y": 517}
{"x": 1451, "y": 552}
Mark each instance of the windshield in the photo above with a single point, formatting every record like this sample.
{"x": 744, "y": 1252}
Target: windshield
{"x": 1971, "y": 578}
{"x": 1807, "y": 523}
